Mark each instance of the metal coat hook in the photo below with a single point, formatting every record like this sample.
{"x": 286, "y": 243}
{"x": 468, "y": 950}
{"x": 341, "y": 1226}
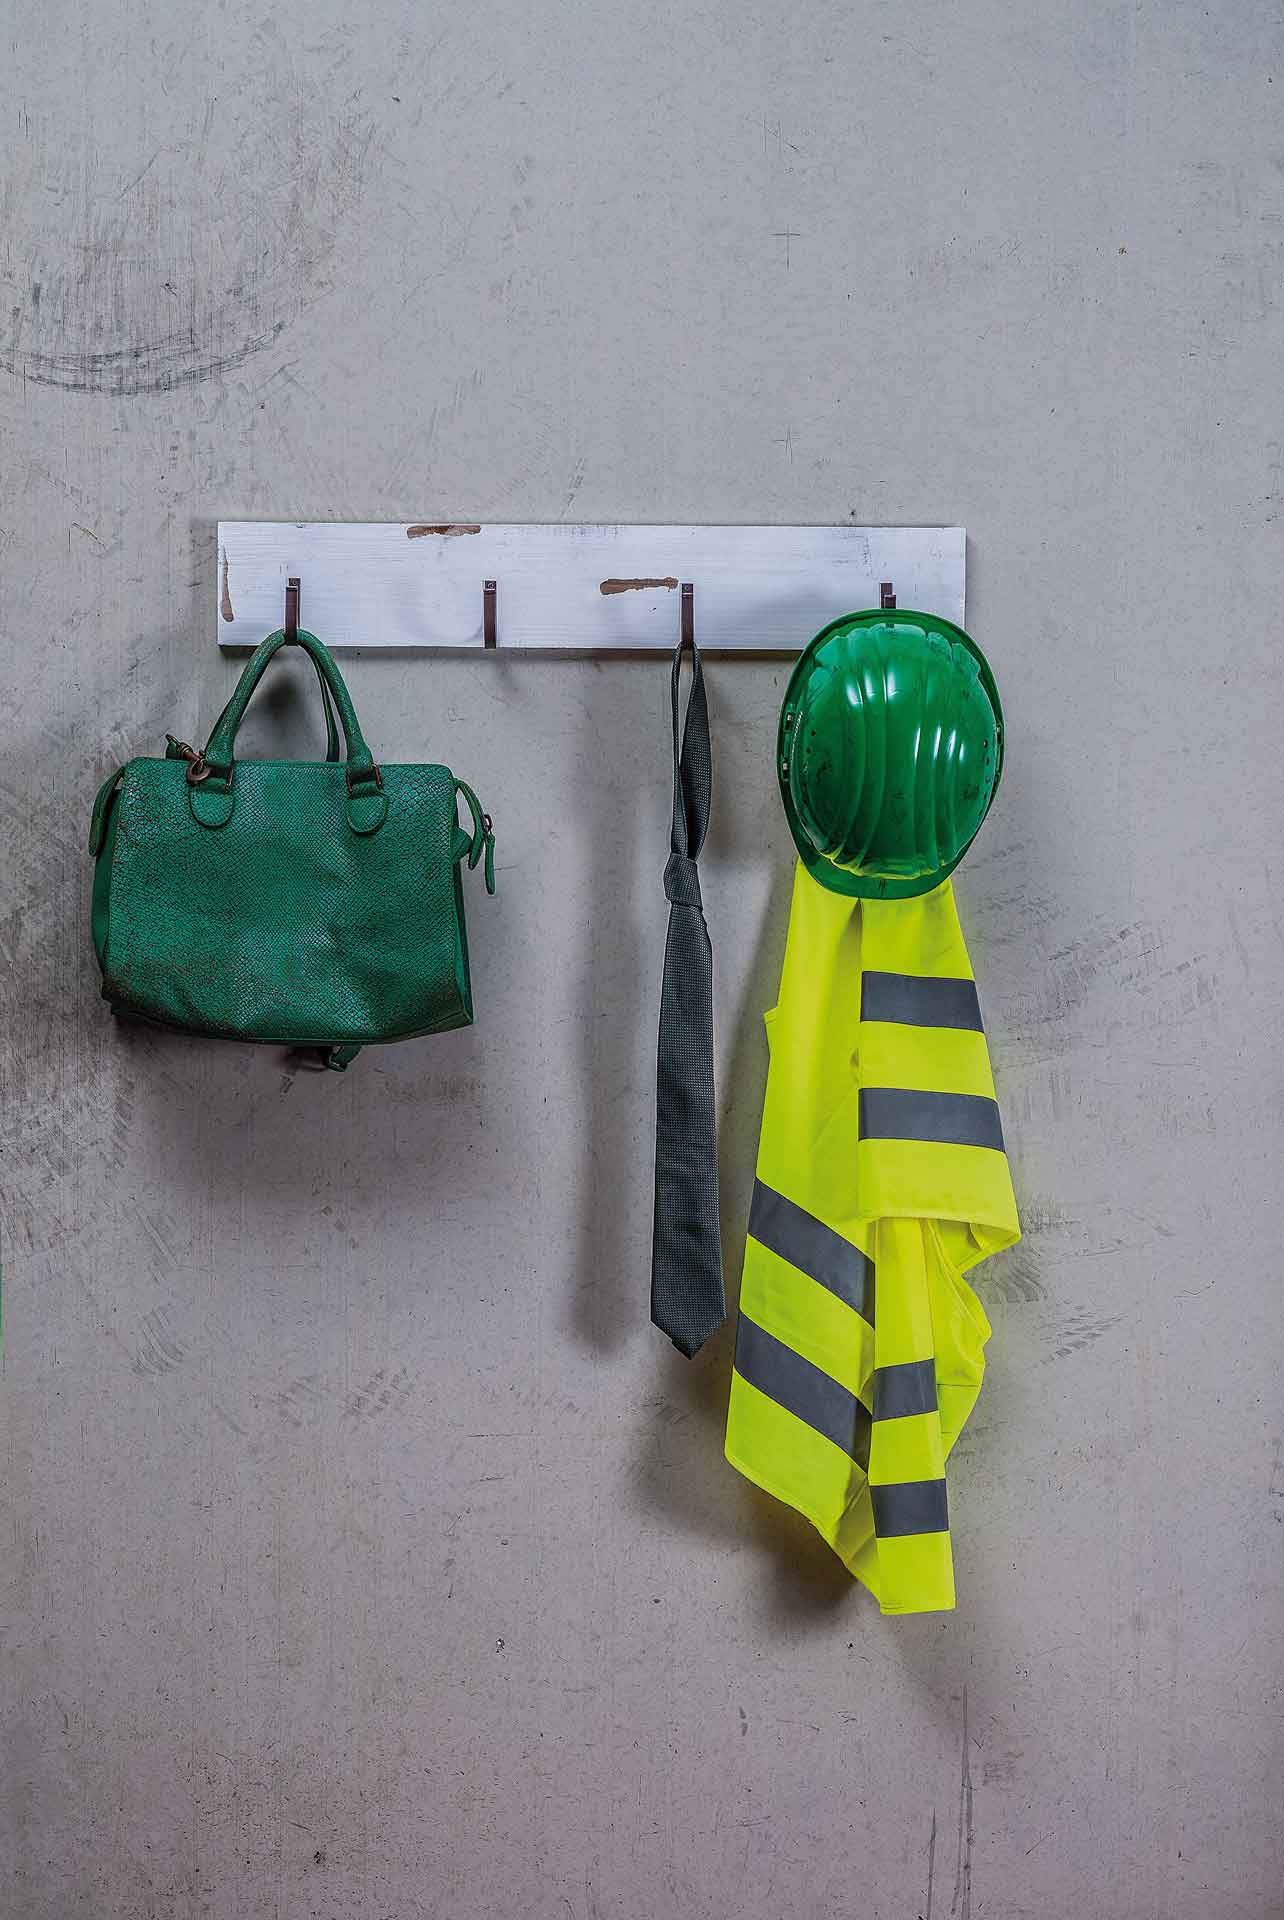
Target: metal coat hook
{"x": 688, "y": 613}
{"x": 886, "y": 595}
{"x": 292, "y": 609}
{"x": 489, "y": 589}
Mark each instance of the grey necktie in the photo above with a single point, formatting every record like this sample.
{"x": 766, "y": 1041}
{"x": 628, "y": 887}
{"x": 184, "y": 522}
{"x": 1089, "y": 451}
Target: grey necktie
{"x": 687, "y": 1298}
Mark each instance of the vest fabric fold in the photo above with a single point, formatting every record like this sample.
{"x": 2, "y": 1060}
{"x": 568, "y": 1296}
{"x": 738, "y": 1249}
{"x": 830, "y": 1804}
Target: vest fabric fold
{"x": 881, "y": 1180}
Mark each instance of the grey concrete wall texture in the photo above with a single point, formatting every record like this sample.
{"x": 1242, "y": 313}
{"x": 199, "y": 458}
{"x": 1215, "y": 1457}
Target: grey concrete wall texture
{"x": 365, "y": 1555}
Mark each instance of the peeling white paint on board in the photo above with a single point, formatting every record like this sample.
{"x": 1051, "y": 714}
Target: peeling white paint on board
{"x": 575, "y": 589}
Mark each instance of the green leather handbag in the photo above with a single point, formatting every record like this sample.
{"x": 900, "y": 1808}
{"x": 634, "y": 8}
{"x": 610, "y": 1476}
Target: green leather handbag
{"x": 302, "y": 903}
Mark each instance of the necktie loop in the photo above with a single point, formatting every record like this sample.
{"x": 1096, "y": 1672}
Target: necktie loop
{"x": 692, "y": 760}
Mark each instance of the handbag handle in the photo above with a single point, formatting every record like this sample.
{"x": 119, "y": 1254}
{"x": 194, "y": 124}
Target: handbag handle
{"x": 211, "y": 775}
{"x": 327, "y": 707}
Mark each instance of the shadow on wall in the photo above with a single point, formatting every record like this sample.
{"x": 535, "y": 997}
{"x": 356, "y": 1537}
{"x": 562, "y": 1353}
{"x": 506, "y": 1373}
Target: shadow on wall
{"x": 616, "y": 990}
{"x": 683, "y": 1474}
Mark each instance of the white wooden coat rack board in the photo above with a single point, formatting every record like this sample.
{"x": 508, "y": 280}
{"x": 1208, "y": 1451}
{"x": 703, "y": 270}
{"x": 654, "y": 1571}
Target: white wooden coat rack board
{"x": 589, "y": 590}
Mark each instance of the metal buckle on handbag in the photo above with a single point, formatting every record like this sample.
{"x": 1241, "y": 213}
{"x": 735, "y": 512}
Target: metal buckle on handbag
{"x": 197, "y": 770}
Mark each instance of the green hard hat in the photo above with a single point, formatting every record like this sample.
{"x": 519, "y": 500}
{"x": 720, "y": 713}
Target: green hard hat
{"x": 889, "y": 752}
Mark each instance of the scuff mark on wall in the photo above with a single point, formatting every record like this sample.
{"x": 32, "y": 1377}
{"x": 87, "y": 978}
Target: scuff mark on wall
{"x": 380, "y": 1392}
{"x": 125, "y": 277}
{"x": 158, "y": 1351}
{"x": 931, "y": 1866}
{"x": 634, "y": 586}
{"x": 962, "y": 1901}
{"x": 1079, "y": 1330}
{"x": 446, "y": 532}
{"x": 225, "y": 603}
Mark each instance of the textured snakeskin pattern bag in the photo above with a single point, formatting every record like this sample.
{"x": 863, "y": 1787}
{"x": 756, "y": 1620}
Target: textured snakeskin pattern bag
{"x": 305, "y": 903}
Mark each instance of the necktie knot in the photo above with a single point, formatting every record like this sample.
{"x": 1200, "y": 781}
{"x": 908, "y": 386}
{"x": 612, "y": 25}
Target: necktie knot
{"x": 682, "y": 881}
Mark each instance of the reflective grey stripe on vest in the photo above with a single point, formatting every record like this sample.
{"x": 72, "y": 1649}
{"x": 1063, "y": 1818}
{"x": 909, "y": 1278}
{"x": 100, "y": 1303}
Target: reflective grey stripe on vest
{"x": 802, "y": 1389}
{"x": 909, "y": 1387}
{"x": 807, "y": 1243}
{"x": 918, "y": 1000}
{"x": 912, "y": 1506}
{"x": 943, "y": 1119}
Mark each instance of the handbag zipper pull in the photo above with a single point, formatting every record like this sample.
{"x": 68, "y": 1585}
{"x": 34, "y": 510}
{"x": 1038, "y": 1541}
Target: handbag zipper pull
{"x": 490, "y": 853}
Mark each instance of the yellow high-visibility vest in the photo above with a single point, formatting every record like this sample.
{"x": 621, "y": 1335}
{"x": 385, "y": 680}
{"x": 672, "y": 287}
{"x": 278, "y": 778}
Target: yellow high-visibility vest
{"x": 881, "y": 1180}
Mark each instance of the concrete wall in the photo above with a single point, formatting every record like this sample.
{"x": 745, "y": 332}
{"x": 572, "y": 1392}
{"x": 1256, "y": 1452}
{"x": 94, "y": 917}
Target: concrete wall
{"x": 364, "y": 1553}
